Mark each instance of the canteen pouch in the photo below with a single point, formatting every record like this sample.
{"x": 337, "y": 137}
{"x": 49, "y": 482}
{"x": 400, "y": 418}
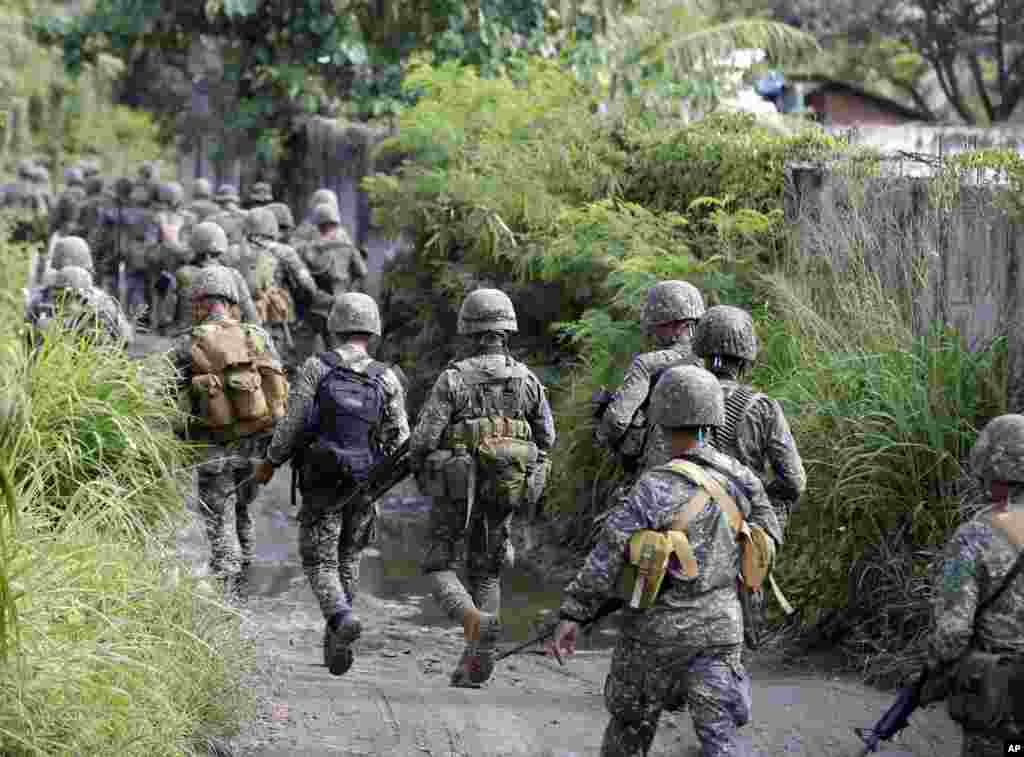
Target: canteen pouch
{"x": 431, "y": 477}
{"x": 980, "y": 697}
{"x": 506, "y": 466}
{"x": 214, "y": 406}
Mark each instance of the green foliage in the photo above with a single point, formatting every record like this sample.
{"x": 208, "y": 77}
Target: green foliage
{"x": 111, "y": 648}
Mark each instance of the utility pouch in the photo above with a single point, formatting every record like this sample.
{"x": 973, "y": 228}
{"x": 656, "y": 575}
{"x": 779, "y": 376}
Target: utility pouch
{"x": 506, "y": 465}
{"x": 647, "y": 560}
{"x": 980, "y": 697}
{"x": 215, "y": 407}
{"x": 431, "y": 478}
{"x": 458, "y": 473}
{"x": 246, "y": 389}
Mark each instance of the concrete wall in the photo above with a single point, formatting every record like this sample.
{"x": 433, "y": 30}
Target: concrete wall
{"x": 963, "y": 266}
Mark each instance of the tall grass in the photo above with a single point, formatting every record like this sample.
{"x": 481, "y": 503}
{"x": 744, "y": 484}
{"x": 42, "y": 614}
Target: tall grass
{"x": 111, "y": 647}
{"x": 884, "y": 411}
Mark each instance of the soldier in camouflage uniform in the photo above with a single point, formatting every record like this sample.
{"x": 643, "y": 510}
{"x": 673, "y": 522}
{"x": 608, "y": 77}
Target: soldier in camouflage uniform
{"x": 977, "y": 560}
{"x": 260, "y": 195}
{"x": 331, "y": 541}
{"x": 202, "y": 205}
{"x": 170, "y": 251}
{"x": 688, "y": 643}
{"x": 755, "y": 432}
{"x": 671, "y": 313}
{"x": 74, "y": 252}
{"x": 25, "y": 196}
{"x": 285, "y": 221}
{"x": 228, "y": 457}
{"x": 71, "y": 297}
{"x": 336, "y": 266}
{"x": 208, "y": 244}
{"x": 65, "y": 216}
{"x": 109, "y": 238}
{"x": 89, "y": 214}
{"x": 488, "y": 395}
{"x": 231, "y": 217}
{"x": 307, "y": 230}
{"x": 277, "y": 279}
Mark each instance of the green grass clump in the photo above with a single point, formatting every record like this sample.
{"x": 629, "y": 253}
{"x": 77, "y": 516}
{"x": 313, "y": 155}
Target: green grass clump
{"x": 108, "y": 645}
{"x": 884, "y": 419}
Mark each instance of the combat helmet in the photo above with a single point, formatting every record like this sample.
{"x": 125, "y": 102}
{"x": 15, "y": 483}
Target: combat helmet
{"x": 687, "y": 396}
{"x": 208, "y": 239}
{"x": 321, "y": 196}
{"x": 171, "y": 195}
{"x": 226, "y": 193}
{"x": 486, "y": 310}
{"x": 72, "y": 277}
{"x": 202, "y": 189}
{"x": 73, "y": 177}
{"x": 72, "y": 251}
{"x": 998, "y": 454}
{"x": 325, "y": 213}
{"x": 672, "y": 300}
{"x": 215, "y": 281}
{"x": 260, "y": 193}
{"x": 354, "y": 312}
{"x": 727, "y": 331}
{"x": 261, "y": 222}
{"x": 25, "y": 169}
{"x": 90, "y": 167}
{"x": 285, "y": 219}
{"x": 95, "y": 185}
{"x": 148, "y": 171}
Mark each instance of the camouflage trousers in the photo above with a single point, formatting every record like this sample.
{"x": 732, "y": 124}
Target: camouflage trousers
{"x": 331, "y": 545}
{"x": 484, "y": 549}
{"x": 644, "y": 677}
{"x": 223, "y": 469}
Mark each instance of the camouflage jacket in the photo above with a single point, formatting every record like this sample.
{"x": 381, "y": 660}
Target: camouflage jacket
{"x": 271, "y": 264}
{"x": 976, "y": 561}
{"x": 203, "y": 210}
{"x": 40, "y": 307}
{"x": 624, "y": 425}
{"x": 335, "y": 263}
{"x": 450, "y": 402}
{"x": 394, "y": 428}
{"x": 64, "y": 217}
{"x": 763, "y": 442}
{"x": 171, "y": 251}
{"x": 702, "y": 611}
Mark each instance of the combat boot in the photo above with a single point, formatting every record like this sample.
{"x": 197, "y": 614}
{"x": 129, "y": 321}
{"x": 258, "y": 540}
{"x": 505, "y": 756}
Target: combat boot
{"x": 339, "y": 635}
{"x": 482, "y": 631}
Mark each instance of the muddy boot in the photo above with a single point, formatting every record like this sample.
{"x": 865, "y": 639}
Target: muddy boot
{"x": 342, "y": 630}
{"x": 482, "y": 631}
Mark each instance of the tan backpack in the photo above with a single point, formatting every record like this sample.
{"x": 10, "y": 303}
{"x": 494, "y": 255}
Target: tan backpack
{"x": 238, "y": 387}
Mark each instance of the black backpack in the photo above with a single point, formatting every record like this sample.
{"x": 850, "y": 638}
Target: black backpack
{"x": 342, "y": 426}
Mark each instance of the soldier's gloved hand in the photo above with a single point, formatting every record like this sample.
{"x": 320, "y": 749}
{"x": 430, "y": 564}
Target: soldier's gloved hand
{"x": 564, "y": 640}
{"x": 263, "y": 472}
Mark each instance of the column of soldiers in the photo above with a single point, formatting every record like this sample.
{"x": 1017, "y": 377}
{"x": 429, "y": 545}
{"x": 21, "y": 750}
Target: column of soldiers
{"x": 713, "y": 470}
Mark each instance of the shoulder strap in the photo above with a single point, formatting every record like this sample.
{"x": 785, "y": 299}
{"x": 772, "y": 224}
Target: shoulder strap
{"x": 1015, "y": 533}
{"x": 735, "y": 406}
{"x": 710, "y": 489}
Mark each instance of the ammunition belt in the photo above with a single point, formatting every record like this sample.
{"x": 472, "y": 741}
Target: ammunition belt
{"x": 470, "y": 433}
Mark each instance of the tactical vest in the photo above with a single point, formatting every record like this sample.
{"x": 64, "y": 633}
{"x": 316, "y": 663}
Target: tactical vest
{"x": 344, "y": 421}
{"x": 650, "y": 553}
{"x": 634, "y": 441}
{"x": 491, "y": 450}
{"x": 237, "y": 387}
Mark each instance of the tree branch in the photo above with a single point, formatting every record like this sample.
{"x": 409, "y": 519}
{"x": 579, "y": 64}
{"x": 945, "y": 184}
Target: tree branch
{"x": 979, "y": 84}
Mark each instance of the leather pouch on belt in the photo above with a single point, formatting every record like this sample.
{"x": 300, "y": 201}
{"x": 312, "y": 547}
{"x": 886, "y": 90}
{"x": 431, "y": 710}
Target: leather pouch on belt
{"x": 647, "y": 562}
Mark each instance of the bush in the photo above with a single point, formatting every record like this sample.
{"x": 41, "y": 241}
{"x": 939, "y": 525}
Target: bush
{"x": 109, "y": 646}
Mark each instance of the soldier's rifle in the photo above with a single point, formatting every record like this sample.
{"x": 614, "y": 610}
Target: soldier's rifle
{"x": 610, "y": 606}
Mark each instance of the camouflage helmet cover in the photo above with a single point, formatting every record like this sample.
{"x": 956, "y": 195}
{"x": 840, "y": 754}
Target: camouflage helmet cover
{"x": 72, "y": 251}
{"x": 201, "y": 189}
{"x": 171, "y": 194}
{"x": 687, "y": 396}
{"x": 208, "y": 238}
{"x": 215, "y": 281}
{"x": 123, "y": 188}
{"x": 73, "y": 177}
{"x": 672, "y": 300}
{"x": 325, "y": 213}
{"x": 285, "y": 219}
{"x": 90, "y": 167}
{"x": 261, "y": 192}
{"x": 998, "y": 453}
{"x": 726, "y": 330}
{"x": 261, "y": 222}
{"x": 487, "y": 310}
{"x": 73, "y": 277}
{"x": 321, "y": 196}
{"x": 226, "y": 193}
{"x": 354, "y": 312}
{"x": 25, "y": 168}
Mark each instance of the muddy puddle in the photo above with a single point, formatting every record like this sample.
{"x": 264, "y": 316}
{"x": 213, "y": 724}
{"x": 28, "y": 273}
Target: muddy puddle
{"x": 390, "y": 570}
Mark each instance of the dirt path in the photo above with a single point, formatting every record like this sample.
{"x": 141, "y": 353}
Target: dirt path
{"x": 396, "y": 700}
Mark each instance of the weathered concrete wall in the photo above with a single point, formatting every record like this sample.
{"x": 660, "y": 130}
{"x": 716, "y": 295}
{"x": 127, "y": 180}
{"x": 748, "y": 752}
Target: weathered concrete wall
{"x": 961, "y": 265}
